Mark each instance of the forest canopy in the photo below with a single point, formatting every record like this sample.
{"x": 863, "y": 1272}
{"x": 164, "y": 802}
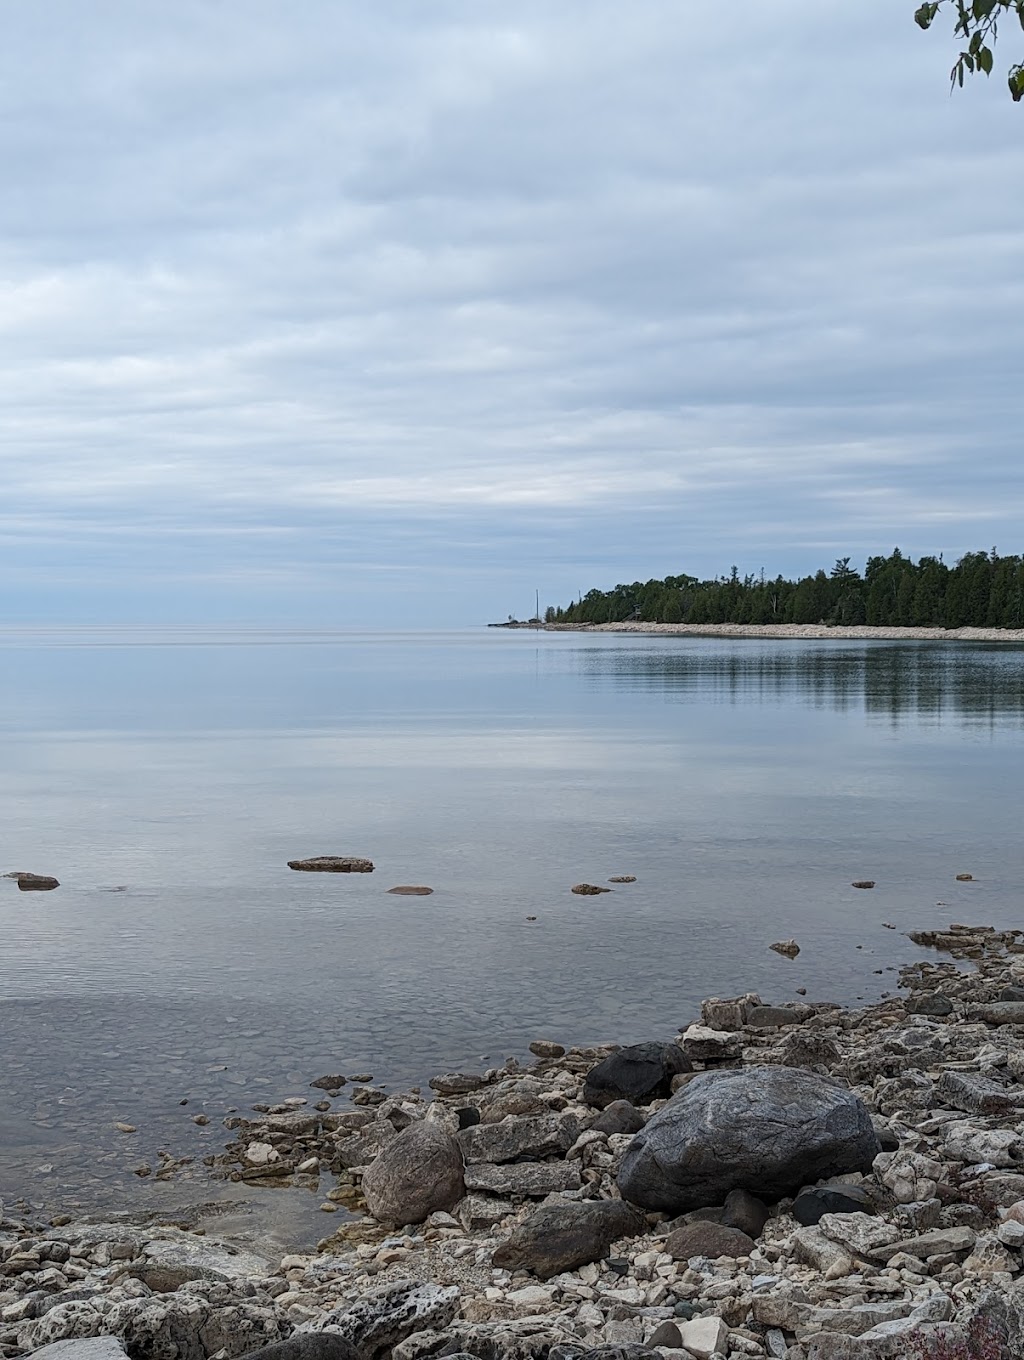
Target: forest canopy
{"x": 983, "y": 590}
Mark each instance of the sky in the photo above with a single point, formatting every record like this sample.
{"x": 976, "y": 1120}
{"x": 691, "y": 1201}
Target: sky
{"x": 345, "y": 314}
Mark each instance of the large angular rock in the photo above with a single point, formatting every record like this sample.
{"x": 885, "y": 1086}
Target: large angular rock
{"x": 559, "y": 1237}
{"x": 379, "y": 1321}
{"x": 419, "y": 1172}
{"x": 764, "y": 1129}
{"x": 638, "y": 1073}
{"x": 541, "y": 1136}
{"x": 534, "y": 1179}
{"x": 707, "y": 1239}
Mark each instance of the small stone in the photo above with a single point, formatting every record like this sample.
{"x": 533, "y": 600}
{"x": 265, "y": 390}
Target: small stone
{"x": 588, "y": 889}
{"x": 788, "y": 947}
{"x": 1011, "y": 1233}
{"x": 329, "y": 1083}
{"x": 705, "y": 1337}
{"x": 411, "y": 890}
{"x": 814, "y": 1201}
{"x": 623, "y": 878}
{"x": 667, "y": 1334}
{"x": 200, "y": 1119}
{"x": 126, "y": 1128}
{"x": 965, "y": 878}
{"x": 863, "y": 883}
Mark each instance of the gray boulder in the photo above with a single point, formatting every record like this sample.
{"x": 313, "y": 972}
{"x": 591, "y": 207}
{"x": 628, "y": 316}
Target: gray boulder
{"x": 619, "y": 1117}
{"x": 301, "y": 1346}
{"x": 416, "y": 1174}
{"x": 764, "y": 1129}
{"x": 541, "y": 1136}
{"x": 559, "y": 1237}
{"x": 379, "y": 1321}
{"x": 638, "y": 1073}
{"x": 88, "y": 1348}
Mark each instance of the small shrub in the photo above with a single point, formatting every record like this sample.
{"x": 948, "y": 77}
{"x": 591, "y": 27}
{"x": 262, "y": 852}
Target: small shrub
{"x": 985, "y": 1340}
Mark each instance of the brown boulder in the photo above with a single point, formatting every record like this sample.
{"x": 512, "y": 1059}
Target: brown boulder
{"x": 702, "y": 1238}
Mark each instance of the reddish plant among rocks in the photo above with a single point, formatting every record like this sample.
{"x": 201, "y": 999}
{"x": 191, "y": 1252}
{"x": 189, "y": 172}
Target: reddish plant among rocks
{"x": 985, "y": 1340}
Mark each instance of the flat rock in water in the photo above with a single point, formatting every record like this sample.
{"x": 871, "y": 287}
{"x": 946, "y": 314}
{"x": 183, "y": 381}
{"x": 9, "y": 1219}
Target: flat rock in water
{"x": 788, "y": 947}
{"x": 34, "y": 882}
{"x": 588, "y": 889}
{"x": 623, "y": 878}
{"x": 863, "y": 883}
{"x": 544, "y": 1048}
{"x": 333, "y": 864}
{"x": 332, "y": 1082}
{"x": 762, "y": 1129}
{"x": 411, "y": 890}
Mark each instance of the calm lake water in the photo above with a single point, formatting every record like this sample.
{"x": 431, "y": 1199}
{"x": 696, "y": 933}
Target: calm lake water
{"x": 166, "y": 779}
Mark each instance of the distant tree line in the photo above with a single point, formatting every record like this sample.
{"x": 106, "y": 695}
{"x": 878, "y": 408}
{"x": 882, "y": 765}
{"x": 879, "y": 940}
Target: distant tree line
{"x": 983, "y": 590}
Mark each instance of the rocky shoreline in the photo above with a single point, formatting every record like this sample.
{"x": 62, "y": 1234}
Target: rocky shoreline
{"x": 795, "y": 631}
{"x": 798, "y": 1181}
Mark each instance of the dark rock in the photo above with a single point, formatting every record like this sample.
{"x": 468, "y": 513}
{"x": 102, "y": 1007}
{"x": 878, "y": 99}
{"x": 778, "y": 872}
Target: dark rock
{"x": 559, "y": 1237}
{"x": 815, "y": 1200}
{"x": 623, "y": 878}
{"x": 774, "y": 1017}
{"x": 863, "y": 883}
{"x": 411, "y": 890}
{"x": 329, "y": 1083}
{"x": 455, "y": 1083}
{"x": 308, "y": 1346}
{"x": 1011, "y": 994}
{"x": 417, "y": 1173}
{"x": 667, "y": 1335}
{"x": 626, "y": 1350}
{"x": 639, "y": 1073}
{"x": 762, "y": 1129}
{"x": 928, "y": 1003}
{"x": 788, "y": 947}
{"x": 588, "y": 889}
{"x": 333, "y": 864}
{"x": 619, "y": 1117}
{"x": 746, "y": 1212}
{"x": 468, "y": 1116}
{"x": 707, "y": 1239}
{"x": 886, "y": 1136}
{"x": 35, "y": 882}
{"x": 965, "y": 878}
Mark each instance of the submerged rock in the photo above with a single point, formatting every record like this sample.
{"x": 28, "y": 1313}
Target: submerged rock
{"x": 411, "y": 890}
{"x": 788, "y": 947}
{"x": 588, "y": 889}
{"x": 763, "y": 1129}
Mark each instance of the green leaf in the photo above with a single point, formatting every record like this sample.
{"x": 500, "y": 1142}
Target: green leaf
{"x": 926, "y": 13}
{"x": 1016, "y": 83}
{"x": 985, "y": 60}
{"x": 981, "y": 9}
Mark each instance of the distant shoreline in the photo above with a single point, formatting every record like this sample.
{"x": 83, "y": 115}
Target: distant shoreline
{"x": 796, "y": 631}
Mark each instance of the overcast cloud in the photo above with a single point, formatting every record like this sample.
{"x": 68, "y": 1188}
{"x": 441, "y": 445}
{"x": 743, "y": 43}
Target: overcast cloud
{"x": 393, "y": 312}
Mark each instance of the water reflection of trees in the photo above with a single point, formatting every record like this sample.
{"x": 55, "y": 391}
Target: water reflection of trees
{"x": 977, "y": 684}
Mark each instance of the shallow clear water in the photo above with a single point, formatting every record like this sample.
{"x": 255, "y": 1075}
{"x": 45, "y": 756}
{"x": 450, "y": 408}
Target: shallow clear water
{"x": 167, "y": 779}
